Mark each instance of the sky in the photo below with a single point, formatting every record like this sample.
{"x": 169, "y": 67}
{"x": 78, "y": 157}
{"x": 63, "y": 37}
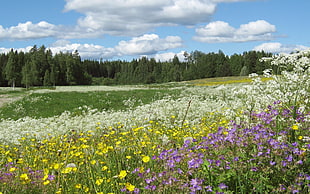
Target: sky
{"x": 128, "y": 29}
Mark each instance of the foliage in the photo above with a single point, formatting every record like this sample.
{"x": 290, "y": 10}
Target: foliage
{"x": 235, "y": 138}
{"x": 39, "y": 67}
{"x": 35, "y": 104}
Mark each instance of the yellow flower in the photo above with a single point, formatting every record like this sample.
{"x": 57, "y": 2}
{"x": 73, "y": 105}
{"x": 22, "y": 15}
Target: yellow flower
{"x": 146, "y": 159}
{"x": 12, "y": 169}
{"x": 86, "y": 189}
{"x": 45, "y": 177}
{"x": 128, "y": 157}
{"x": 99, "y": 181}
{"x": 130, "y": 187}
{"x": 10, "y": 159}
{"x": 104, "y": 168}
{"x": 295, "y": 127}
{"x": 56, "y": 166}
{"x": 300, "y": 137}
{"x": 44, "y": 160}
{"x": 93, "y": 162}
{"x": 122, "y": 174}
{"x": 46, "y": 182}
{"x": 24, "y": 177}
{"x": 78, "y": 186}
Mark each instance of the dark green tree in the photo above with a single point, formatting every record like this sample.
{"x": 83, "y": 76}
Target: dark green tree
{"x": 11, "y": 71}
{"x": 30, "y": 74}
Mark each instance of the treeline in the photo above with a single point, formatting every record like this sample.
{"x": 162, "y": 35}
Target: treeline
{"x": 196, "y": 65}
{"x": 40, "y": 67}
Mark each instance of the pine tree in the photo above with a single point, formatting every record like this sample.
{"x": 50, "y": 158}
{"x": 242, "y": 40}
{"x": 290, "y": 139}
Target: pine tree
{"x": 10, "y": 69}
{"x": 47, "y": 78}
{"x": 29, "y": 74}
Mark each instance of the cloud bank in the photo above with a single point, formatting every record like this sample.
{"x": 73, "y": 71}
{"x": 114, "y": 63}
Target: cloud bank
{"x": 148, "y": 44}
{"x": 118, "y": 17}
{"x": 276, "y": 47}
{"x": 220, "y": 31}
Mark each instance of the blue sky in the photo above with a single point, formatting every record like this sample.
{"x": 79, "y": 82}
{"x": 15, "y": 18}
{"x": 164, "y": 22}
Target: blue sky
{"x": 127, "y": 29}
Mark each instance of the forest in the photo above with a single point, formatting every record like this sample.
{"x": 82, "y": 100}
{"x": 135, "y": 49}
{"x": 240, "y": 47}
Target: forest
{"x": 41, "y": 67}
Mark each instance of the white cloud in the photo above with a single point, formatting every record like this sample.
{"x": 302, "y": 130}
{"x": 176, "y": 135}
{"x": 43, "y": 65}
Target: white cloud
{"x": 220, "y": 31}
{"x": 148, "y": 44}
{"x": 276, "y": 47}
{"x": 43, "y": 29}
{"x": 118, "y": 17}
{"x": 85, "y": 50}
{"x": 28, "y": 30}
{"x": 133, "y": 17}
{"x": 169, "y": 56}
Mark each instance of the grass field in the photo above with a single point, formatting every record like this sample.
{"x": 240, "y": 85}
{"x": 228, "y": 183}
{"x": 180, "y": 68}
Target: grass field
{"x": 48, "y": 104}
{"x": 223, "y": 135}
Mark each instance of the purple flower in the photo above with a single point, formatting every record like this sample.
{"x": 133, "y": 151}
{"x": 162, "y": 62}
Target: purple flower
{"x": 217, "y": 162}
{"x": 222, "y": 186}
{"x": 289, "y": 158}
{"x": 51, "y": 177}
{"x": 295, "y": 191}
{"x": 194, "y": 163}
{"x": 180, "y": 171}
{"x": 209, "y": 188}
{"x": 272, "y": 163}
{"x": 150, "y": 187}
{"x": 282, "y": 187}
{"x": 196, "y": 185}
{"x": 148, "y": 181}
{"x": 135, "y": 170}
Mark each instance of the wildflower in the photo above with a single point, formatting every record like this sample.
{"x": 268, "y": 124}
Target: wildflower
{"x": 196, "y": 184}
{"x": 295, "y": 127}
{"x": 12, "y": 169}
{"x": 93, "y": 162}
{"x": 24, "y": 177}
{"x": 56, "y": 166}
{"x": 99, "y": 181}
{"x": 78, "y": 186}
{"x": 222, "y": 186}
{"x": 122, "y": 174}
{"x": 209, "y": 188}
{"x": 104, "y": 168}
{"x": 194, "y": 163}
{"x": 46, "y": 182}
{"x": 146, "y": 159}
{"x": 10, "y": 159}
{"x": 272, "y": 163}
{"x": 130, "y": 187}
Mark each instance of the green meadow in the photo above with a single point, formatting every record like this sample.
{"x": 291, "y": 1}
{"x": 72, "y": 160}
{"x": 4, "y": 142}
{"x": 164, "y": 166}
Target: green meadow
{"x": 219, "y": 135}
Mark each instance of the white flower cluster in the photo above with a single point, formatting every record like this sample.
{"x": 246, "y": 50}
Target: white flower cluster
{"x": 292, "y": 87}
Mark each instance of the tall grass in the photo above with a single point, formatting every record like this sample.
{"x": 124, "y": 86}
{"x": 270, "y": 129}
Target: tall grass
{"x": 43, "y": 105}
{"x": 250, "y": 138}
